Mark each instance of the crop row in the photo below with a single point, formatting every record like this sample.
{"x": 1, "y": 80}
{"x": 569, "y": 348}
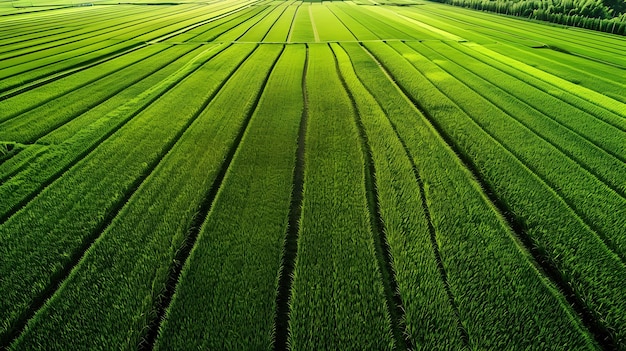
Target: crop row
{"x": 580, "y": 42}
{"x": 338, "y": 298}
{"x": 302, "y": 28}
{"x": 29, "y": 126}
{"x": 428, "y": 314}
{"x": 67, "y": 144}
{"x": 547, "y": 220}
{"x": 16, "y": 53}
{"x": 328, "y": 26}
{"x": 489, "y": 268}
{"x": 208, "y": 32}
{"x": 258, "y": 31}
{"x": 553, "y": 101}
{"x": 280, "y": 30}
{"x": 594, "y": 103}
{"x": 78, "y": 44}
{"x": 138, "y": 248}
{"x": 438, "y": 17}
{"x": 245, "y": 230}
{"x": 381, "y": 195}
{"x": 56, "y": 235}
{"x": 572, "y": 142}
{"x": 41, "y": 97}
{"x": 33, "y": 31}
{"x": 44, "y": 63}
{"x": 572, "y": 182}
{"x": 604, "y": 78}
{"x": 248, "y": 27}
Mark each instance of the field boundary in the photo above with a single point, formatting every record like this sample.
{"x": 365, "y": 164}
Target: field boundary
{"x": 182, "y": 255}
{"x": 395, "y": 306}
{"x": 290, "y": 248}
{"x": 431, "y": 229}
{"x": 599, "y": 333}
{"x": 14, "y": 332}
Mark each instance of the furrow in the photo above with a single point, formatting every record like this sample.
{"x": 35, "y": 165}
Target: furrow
{"x": 290, "y": 250}
{"x": 164, "y": 300}
{"x": 137, "y": 107}
{"x": 76, "y": 256}
{"x": 596, "y": 228}
{"x": 601, "y": 335}
{"x": 383, "y": 254}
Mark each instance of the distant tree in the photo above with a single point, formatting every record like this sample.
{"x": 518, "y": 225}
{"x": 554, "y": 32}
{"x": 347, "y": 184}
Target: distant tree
{"x": 604, "y": 15}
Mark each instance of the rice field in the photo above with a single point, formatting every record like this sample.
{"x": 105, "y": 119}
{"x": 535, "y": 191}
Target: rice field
{"x": 287, "y": 175}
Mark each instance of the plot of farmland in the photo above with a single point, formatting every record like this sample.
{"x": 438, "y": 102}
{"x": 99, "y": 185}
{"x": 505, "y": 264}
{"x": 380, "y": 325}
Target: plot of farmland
{"x": 287, "y": 175}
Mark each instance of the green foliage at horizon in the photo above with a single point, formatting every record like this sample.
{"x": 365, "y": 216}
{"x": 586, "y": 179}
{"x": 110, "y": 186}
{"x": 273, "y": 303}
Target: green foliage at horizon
{"x": 601, "y": 15}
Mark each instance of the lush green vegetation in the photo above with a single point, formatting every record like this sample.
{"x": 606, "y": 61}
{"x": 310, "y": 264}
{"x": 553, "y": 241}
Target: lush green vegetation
{"x": 311, "y": 175}
{"x": 602, "y": 15}
{"x": 261, "y": 209}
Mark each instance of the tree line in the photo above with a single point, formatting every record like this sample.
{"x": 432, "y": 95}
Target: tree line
{"x": 602, "y": 15}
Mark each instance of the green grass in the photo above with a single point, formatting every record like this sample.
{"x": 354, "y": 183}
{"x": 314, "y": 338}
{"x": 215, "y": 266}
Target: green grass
{"x": 138, "y": 248}
{"x": 338, "y": 299}
{"x": 246, "y": 220}
{"x": 292, "y": 175}
{"x": 489, "y": 268}
{"x": 56, "y": 234}
{"x": 547, "y": 219}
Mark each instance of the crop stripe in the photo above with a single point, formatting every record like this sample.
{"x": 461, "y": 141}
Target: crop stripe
{"x": 557, "y": 192}
{"x": 425, "y": 208}
{"x": 383, "y": 254}
{"x": 601, "y": 335}
{"x": 16, "y": 329}
{"x": 145, "y": 104}
{"x": 290, "y": 250}
{"x": 610, "y": 183}
{"x": 164, "y": 300}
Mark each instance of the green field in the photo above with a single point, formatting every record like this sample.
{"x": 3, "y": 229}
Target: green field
{"x": 286, "y": 175}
